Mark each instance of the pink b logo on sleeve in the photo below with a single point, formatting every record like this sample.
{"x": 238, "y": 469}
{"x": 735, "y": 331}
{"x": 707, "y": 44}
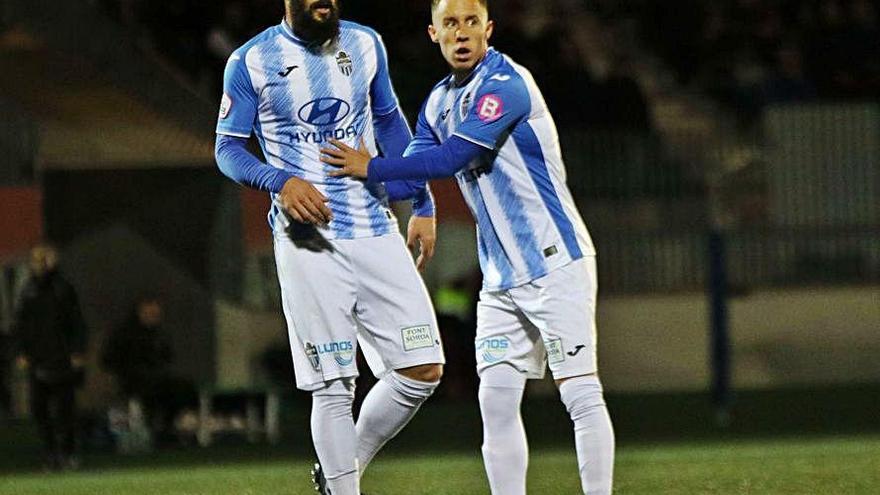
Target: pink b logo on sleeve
{"x": 490, "y": 108}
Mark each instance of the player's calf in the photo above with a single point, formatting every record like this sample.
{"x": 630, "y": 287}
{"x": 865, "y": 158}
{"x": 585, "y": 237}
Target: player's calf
{"x": 333, "y": 434}
{"x": 594, "y": 435}
{"x": 390, "y": 405}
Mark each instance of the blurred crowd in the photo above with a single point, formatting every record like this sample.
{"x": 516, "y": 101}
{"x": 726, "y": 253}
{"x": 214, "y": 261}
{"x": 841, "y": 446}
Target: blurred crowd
{"x": 47, "y": 345}
{"x": 744, "y": 53}
{"x": 749, "y": 53}
{"x": 584, "y": 68}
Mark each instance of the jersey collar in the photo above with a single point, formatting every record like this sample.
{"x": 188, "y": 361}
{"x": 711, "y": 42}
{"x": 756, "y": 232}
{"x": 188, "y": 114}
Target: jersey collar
{"x": 287, "y": 31}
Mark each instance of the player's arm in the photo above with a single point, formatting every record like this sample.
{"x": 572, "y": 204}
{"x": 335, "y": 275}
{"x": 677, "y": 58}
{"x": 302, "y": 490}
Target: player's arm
{"x": 238, "y": 112}
{"x": 501, "y": 104}
{"x": 394, "y": 136}
{"x": 417, "y": 189}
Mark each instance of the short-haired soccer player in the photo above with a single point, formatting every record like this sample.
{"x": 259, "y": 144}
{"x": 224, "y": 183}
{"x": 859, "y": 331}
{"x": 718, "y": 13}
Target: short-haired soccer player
{"x": 487, "y": 124}
{"x": 346, "y": 275}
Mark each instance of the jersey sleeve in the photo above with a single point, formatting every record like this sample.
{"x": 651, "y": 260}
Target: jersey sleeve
{"x": 500, "y": 103}
{"x": 238, "y": 107}
{"x": 384, "y": 100}
{"x": 424, "y": 138}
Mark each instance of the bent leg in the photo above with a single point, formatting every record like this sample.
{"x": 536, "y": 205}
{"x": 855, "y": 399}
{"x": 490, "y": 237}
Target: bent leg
{"x": 391, "y": 404}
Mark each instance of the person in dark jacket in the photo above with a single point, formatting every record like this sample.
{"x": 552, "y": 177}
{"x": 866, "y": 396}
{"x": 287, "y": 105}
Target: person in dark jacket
{"x": 50, "y": 336}
{"x": 139, "y": 356}
{"x": 137, "y": 353}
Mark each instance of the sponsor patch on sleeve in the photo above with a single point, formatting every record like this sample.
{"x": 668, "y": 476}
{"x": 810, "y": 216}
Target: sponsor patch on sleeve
{"x": 225, "y": 106}
{"x": 417, "y": 337}
{"x": 490, "y": 108}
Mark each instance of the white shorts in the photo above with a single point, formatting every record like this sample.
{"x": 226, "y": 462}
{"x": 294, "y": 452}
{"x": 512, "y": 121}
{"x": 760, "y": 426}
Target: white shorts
{"x": 337, "y": 294}
{"x": 548, "y": 320}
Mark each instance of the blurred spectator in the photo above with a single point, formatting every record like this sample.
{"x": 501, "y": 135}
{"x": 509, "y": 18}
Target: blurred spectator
{"x": 730, "y": 48}
{"x": 227, "y": 35}
{"x": 50, "y": 334}
{"x": 223, "y": 38}
{"x": 620, "y": 103}
{"x": 139, "y": 356}
{"x": 788, "y": 83}
{"x": 570, "y": 88}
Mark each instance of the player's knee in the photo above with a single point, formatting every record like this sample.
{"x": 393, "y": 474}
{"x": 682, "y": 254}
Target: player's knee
{"x": 340, "y": 387}
{"x": 429, "y": 373}
{"x": 560, "y": 381}
{"x": 413, "y": 391}
{"x": 500, "y": 394}
{"x": 582, "y": 395}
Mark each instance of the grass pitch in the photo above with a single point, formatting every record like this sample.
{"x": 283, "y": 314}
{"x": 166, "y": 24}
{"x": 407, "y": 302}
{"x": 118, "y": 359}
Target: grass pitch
{"x": 840, "y": 466}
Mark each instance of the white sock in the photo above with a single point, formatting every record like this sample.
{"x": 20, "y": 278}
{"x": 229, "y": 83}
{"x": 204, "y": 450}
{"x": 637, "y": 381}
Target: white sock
{"x": 389, "y": 406}
{"x": 334, "y": 437}
{"x": 593, "y": 433}
{"x": 505, "y": 449}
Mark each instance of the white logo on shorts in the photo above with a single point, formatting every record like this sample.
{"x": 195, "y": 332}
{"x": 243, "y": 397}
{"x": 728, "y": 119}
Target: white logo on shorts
{"x": 554, "y": 350}
{"x": 417, "y": 337}
{"x": 492, "y": 350}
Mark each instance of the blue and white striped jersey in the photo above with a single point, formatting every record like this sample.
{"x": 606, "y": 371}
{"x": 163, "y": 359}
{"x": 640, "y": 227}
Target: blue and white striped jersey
{"x": 296, "y": 97}
{"x": 527, "y": 222}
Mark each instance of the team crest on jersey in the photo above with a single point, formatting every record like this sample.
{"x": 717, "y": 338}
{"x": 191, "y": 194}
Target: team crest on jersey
{"x": 225, "y": 106}
{"x": 466, "y": 104}
{"x": 343, "y": 61}
{"x": 490, "y": 108}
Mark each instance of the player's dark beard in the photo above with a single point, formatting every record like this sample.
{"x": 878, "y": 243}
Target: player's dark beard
{"x": 307, "y": 28}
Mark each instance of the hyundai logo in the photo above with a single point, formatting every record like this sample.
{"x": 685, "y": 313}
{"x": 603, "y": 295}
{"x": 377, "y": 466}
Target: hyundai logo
{"x": 324, "y": 111}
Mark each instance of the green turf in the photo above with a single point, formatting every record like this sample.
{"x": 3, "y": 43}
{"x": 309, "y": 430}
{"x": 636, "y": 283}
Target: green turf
{"x": 839, "y": 466}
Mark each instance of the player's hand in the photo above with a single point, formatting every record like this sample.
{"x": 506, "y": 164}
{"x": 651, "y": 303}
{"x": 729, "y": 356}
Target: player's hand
{"x": 422, "y": 231}
{"x": 22, "y": 363}
{"x": 304, "y": 202}
{"x": 351, "y": 162}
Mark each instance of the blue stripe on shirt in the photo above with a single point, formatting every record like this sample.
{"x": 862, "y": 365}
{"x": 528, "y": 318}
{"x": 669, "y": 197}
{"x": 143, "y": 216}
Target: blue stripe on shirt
{"x": 515, "y": 214}
{"x": 489, "y": 241}
{"x": 337, "y": 188}
{"x": 530, "y": 149}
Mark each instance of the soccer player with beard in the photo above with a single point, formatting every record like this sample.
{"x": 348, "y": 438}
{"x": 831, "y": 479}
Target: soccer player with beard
{"x": 346, "y": 276}
{"x": 487, "y": 125}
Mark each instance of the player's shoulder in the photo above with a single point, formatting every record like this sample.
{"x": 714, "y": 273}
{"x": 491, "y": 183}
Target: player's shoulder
{"x": 500, "y": 69}
{"x": 355, "y": 28}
